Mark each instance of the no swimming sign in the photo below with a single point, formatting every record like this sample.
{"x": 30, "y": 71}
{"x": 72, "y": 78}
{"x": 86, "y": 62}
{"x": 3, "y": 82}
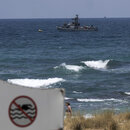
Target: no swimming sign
{"x": 22, "y": 111}
{"x": 30, "y": 108}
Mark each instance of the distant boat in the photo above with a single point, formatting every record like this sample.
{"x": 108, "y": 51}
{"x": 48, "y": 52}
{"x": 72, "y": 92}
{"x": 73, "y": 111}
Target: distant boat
{"x": 75, "y": 26}
{"x": 40, "y": 30}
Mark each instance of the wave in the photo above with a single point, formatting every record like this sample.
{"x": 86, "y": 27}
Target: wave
{"x": 74, "y": 68}
{"x": 99, "y": 100}
{"x": 112, "y": 66}
{"x": 36, "y": 83}
{"x": 127, "y": 93}
{"x": 97, "y": 64}
{"x": 77, "y": 92}
{"x": 67, "y": 98}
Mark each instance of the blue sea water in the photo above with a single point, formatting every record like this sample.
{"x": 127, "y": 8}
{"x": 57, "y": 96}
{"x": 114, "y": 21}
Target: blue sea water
{"x": 93, "y": 67}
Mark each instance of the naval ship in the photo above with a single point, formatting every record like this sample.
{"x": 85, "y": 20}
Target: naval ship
{"x": 75, "y": 26}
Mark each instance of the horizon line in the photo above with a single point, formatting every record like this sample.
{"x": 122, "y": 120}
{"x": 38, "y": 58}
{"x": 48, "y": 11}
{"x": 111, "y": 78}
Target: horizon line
{"x": 68, "y": 18}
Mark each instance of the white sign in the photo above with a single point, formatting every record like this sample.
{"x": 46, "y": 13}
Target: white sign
{"x": 30, "y": 108}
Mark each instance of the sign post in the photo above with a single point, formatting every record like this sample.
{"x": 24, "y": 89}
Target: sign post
{"x": 31, "y": 108}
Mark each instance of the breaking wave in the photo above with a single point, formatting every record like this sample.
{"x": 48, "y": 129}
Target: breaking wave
{"x": 112, "y": 66}
{"x": 96, "y": 64}
{"x": 74, "y": 68}
{"x": 100, "y": 100}
{"x": 77, "y": 92}
{"x": 36, "y": 83}
{"x": 67, "y": 98}
{"x": 127, "y": 93}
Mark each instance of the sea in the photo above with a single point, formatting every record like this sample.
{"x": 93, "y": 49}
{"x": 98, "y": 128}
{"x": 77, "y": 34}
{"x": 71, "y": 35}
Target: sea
{"x": 92, "y": 66}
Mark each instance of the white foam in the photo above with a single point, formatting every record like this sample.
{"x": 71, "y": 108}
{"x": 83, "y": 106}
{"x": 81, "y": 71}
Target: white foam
{"x": 99, "y": 100}
{"x": 36, "y": 83}
{"x": 75, "y": 68}
{"x": 67, "y": 98}
{"x": 76, "y": 92}
{"x": 87, "y": 116}
{"x": 90, "y": 100}
{"x": 96, "y": 64}
{"x": 128, "y": 93}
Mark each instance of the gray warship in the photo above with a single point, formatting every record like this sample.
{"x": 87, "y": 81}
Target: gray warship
{"x": 75, "y": 26}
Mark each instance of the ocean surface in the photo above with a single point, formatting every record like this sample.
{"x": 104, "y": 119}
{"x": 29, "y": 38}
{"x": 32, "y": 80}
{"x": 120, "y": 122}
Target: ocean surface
{"x": 93, "y": 67}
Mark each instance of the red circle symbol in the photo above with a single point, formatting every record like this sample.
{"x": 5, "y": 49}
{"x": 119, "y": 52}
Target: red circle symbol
{"x": 22, "y": 111}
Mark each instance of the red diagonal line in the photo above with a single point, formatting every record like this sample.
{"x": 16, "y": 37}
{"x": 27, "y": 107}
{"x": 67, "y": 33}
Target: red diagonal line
{"x": 23, "y": 111}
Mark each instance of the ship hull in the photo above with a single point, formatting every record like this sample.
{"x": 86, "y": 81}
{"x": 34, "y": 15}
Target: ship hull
{"x": 77, "y": 29}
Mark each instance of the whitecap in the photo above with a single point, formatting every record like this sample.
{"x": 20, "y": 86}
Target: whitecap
{"x": 35, "y": 83}
{"x": 128, "y": 93}
{"x": 99, "y": 100}
{"x": 67, "y": 98}
{"x": 77, "y": 92}
{"x": 74, "y": 68}
{"x": 96, "y": 64}
{"x": 90, "y": 100}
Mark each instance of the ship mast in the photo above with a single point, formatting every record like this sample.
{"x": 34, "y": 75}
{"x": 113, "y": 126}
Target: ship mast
{"x": 76, "y": 21}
